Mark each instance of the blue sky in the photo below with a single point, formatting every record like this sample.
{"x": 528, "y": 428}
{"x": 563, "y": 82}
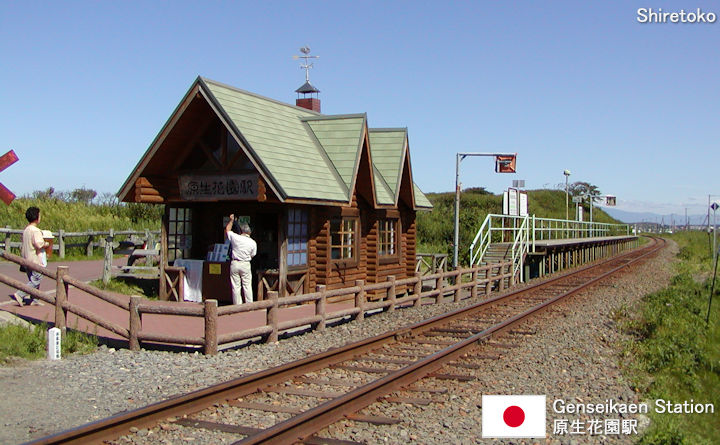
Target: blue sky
{"x": 581, "y": 85}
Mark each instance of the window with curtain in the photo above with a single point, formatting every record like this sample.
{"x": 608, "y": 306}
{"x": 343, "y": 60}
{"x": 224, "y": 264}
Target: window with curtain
{"x": 343, "y": 238}
{"x": 387, "y": 237}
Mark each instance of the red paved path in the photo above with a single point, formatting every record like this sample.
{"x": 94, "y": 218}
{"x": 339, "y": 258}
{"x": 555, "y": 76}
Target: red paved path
{"x": 152, "y": 323}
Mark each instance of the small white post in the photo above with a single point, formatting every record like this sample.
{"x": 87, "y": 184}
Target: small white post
{"x": 54, "y": 348}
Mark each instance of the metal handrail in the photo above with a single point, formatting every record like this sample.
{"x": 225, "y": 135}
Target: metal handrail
{"x": 542, "y": 229}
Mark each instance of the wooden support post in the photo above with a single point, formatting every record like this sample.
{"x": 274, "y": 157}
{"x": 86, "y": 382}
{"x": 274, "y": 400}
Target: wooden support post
{"x": 391, "y": 293}
{"x": 458, "y": 281}
{"x": 360, "y": 300}
{"x": 91, "y": 240}
{"x": 61, "y": 289}
{"x": 7, "y": 239}
{"x": 473, "y": 289}
{"x": 107, "y": 263}
{"x": 439, "y": 285}
{"x": 61, "y": 243}
{"x": 163, "y": 290}
{"x": 135, "y": 323}
{"x": 502, "y": 278}
{"x": 320, "y": 307}
{"x": 417, "y": 288}
{"x": 211, "y": 317}
{"x": 282, "y": 259}
{"x": 272, "y": 317}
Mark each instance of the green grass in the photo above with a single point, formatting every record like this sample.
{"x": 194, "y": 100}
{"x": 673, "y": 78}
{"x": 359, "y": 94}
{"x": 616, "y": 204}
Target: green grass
{"x": 145, "y": 287}
{"x": 673, "y": 355}
{"x": 29, "y": 342}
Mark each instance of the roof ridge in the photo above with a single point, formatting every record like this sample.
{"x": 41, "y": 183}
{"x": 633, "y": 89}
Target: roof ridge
{"x": 334, "y": 116}
{"x": 259, "y": 96}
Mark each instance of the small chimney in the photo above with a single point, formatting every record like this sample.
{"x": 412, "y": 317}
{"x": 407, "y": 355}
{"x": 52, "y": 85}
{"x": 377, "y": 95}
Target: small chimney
{"x": 311, "y": 103}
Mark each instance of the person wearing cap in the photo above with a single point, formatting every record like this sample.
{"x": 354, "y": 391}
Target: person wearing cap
{"x": 242, "y": 250}
{"x": 33, "y": 250}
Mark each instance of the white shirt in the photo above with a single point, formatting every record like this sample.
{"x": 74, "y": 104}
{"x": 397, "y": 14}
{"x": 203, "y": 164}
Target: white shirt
{"x": 243, "y": 248}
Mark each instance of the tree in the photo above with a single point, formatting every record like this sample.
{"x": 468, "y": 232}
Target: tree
{"x": 83, "y": 195}
{"x": 583, "y": 189}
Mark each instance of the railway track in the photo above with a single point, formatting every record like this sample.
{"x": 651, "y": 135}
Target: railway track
{"x": 292, "y": 402}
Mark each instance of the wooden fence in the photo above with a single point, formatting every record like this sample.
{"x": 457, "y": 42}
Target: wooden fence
{"x": 88, "y": 240}
{"x": 133, "y": 332}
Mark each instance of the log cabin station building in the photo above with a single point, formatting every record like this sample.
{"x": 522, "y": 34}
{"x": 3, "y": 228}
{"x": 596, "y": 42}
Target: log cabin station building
{"x": 329, "y": 200}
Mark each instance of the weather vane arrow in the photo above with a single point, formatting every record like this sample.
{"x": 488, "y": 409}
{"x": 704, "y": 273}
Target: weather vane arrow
{"x": 6, "y": 161}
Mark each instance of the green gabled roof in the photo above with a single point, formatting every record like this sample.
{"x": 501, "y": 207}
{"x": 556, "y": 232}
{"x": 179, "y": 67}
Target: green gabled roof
{"x": 421, "y": 201}
{"x": 386, "y": 148}
{"x": 383, "y": 194}
{"x": 341, "y": 137}
{"x": 281, "y": 142}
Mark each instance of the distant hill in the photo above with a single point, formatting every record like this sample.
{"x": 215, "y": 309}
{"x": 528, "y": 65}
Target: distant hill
{"x": 637, "y": 217}
{"x": 435, "y": 228}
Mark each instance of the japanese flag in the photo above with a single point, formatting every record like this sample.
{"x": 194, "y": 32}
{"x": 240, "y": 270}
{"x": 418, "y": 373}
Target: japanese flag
{"x": 513, "y": 416}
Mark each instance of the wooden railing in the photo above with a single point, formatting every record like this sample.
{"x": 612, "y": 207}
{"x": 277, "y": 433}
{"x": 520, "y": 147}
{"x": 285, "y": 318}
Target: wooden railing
{"x": 430, "y": 263}
{"x": 209, "y": 311}
{"x": 89, "y": 240}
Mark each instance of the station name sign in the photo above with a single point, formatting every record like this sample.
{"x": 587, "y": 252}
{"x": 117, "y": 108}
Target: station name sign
{"x": 218, "y": 187}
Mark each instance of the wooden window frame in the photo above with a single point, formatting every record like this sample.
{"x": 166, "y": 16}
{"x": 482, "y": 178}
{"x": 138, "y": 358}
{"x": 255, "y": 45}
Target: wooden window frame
{"x": 298, "y": 267}
{"x": 174, "y": 235}
{"x": 355, "y": 243}
{"x": 395, "y": 255}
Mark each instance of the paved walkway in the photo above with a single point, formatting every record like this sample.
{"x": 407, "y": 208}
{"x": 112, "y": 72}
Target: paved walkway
{"x": 151, "y": 323}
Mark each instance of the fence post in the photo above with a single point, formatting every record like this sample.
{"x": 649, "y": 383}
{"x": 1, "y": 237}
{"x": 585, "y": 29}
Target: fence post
{"x": 7, "y": 239}
{"x": 501, "y": 272}
{"x": 320, "y": 307}
{"x": 439, "y": 286}
{"x": 488, "y": 282}
{"x": 417, "y": 289}
{"x": 473, "y": 289}
{"x": 61, "y": 243}
{"x": 360, "y": 300}
{"x": 458, "y": 282}
{"x": 272, "y": 317}
{"x": 107, "y": 263}
{"x": 211, "y": 316}
{"x": 135, "y": 323}
{"x": 89, "y": 247}
{"x": 391, "y": 293}
{"x": 61, "y": 289}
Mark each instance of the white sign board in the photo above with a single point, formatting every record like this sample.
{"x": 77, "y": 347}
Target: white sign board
{"x": 515, "y": 202}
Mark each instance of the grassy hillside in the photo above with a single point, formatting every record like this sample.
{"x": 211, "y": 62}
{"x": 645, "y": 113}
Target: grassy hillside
{"x": 435, "y": 228}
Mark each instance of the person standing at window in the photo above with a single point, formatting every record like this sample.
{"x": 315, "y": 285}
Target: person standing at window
{"x": 33, "y": 250}
{"x": 243, "y": 249}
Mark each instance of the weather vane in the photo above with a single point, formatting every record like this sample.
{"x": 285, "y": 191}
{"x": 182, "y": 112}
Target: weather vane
{"x": 306, "y": 66}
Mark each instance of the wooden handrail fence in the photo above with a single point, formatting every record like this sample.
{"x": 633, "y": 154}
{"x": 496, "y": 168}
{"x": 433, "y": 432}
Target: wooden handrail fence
{"x": 133, "y": 332}
{"x": 93, "y": 239}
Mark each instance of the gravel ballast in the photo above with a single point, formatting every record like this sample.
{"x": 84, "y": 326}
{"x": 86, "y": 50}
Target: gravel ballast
{"x": 572, "y": 356}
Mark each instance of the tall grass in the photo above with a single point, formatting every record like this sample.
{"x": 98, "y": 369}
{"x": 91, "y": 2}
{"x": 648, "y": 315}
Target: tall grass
{"x": 674, "y": 355}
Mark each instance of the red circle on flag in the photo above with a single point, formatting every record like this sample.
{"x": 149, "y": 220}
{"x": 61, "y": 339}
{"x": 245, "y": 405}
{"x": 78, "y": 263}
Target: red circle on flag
{"x": 514, "y": 416}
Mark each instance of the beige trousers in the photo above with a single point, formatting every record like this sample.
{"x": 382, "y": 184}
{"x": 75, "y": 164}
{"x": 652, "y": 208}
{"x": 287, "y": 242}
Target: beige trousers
{"x": 241, "y": 279}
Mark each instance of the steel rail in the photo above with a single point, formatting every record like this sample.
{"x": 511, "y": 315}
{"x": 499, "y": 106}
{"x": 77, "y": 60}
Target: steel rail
{"x": 112, "y": 427}
{"x": 303, "y": 425}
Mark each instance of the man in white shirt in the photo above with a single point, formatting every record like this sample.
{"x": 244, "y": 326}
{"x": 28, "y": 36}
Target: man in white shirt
{"x": 33, "y": 250}
{"x": 242, "y": 250}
